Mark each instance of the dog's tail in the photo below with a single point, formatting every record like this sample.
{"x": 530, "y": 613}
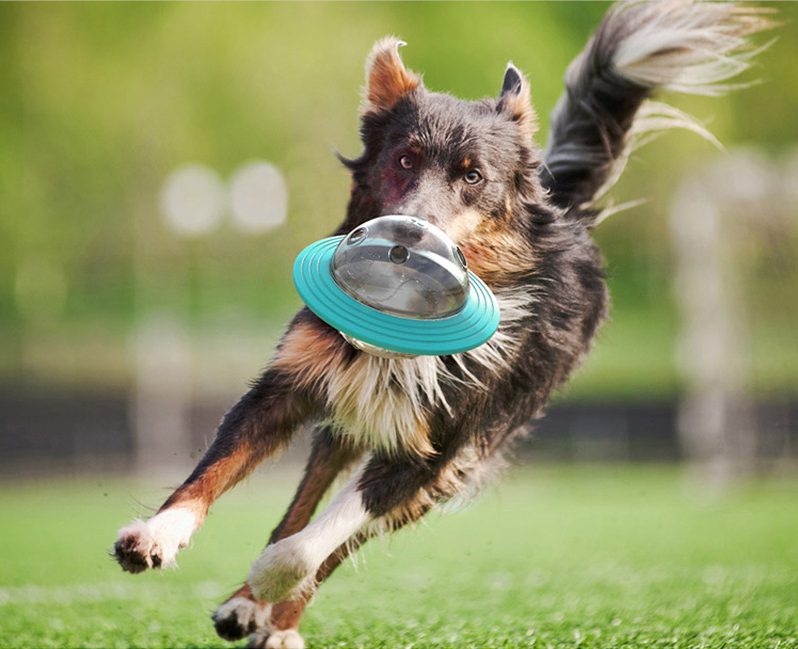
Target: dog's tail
{"x": 639, "y": 47}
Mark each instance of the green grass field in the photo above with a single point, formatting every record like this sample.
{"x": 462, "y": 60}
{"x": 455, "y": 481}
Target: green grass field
{"x": 553, "y": 557}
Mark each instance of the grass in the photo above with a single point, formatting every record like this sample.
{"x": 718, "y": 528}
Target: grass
{"x": 554, "y": 557}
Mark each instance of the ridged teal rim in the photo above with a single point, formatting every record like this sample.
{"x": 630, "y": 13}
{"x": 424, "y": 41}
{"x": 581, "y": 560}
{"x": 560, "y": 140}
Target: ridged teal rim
{"x": 471, "y": 326}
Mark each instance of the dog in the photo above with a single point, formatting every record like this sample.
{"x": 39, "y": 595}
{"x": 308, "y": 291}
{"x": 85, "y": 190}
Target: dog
{"x": 420, "y": 431}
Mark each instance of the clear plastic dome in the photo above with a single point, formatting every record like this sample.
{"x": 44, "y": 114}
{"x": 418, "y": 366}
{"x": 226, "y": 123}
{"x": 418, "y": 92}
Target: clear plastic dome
{"x": 402, "y": 265}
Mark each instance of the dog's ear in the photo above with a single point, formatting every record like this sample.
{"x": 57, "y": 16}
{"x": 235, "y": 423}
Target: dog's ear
{"x": 515, "y": 101}
{"x": 387, "y": 79}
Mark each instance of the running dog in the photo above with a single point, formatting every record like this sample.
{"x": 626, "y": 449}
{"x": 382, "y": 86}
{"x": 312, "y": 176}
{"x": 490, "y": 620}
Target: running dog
{"x": 420, "y": 431}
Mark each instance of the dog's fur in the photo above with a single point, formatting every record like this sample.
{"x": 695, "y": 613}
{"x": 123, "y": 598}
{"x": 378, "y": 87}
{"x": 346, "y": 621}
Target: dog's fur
{"x": 423, "y": 430}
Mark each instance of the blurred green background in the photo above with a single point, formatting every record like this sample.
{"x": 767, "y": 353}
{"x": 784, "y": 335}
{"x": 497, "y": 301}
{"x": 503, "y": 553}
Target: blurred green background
{"x": 101, "y": 102}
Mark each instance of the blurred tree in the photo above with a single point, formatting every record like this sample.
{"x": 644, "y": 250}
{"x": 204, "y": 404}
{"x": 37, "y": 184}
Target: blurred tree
{"x": 102, "y": 101}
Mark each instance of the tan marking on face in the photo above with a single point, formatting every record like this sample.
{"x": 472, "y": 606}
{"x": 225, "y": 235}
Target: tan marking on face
{"x": 494, "y": 251}
{"x": 462, "y": 226}
{"x": 491, "y": 248}
{"x": 494, "y": 259}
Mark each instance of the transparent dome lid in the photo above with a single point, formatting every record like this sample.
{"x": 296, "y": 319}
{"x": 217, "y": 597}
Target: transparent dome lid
{"x": 402, "y": 265}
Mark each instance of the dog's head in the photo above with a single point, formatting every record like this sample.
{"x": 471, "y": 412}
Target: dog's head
{"x": 471, "y": 168}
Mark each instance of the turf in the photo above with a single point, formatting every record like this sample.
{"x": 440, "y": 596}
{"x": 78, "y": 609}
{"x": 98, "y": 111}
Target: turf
{"x": 553, "y": 557}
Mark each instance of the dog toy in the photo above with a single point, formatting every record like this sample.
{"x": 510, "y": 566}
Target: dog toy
{"x": 397, "y": 286}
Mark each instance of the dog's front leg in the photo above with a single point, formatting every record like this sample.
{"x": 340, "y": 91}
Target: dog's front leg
{"x": 260, "y": 424}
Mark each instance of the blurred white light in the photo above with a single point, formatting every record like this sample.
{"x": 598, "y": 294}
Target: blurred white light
{"x": 193, "y": 200}
{"x": 258, "y": 197}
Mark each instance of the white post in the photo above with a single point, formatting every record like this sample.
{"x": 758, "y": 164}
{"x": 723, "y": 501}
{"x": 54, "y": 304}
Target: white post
{"x": 713, "y": 214}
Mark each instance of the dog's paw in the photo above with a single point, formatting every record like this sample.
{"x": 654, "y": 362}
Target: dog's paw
{"x": 154, "y": 543}
{"x": 240, "y": 616}
{"x": 135, "y": 548}
{"x": 286, "y": 639}
{"x": 284, "y": 571}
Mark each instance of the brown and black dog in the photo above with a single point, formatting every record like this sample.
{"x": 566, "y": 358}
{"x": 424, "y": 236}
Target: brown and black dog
{"x": 417, "y": 432}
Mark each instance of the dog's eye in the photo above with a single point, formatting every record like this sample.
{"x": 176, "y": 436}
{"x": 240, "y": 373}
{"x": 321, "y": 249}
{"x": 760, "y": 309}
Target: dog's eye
{"x": 473, "y": 177}
{"x": 405, "y": 162}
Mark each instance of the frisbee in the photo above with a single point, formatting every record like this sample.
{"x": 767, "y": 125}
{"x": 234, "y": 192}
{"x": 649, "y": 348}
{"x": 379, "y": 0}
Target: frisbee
{"x": 397, "y": 286}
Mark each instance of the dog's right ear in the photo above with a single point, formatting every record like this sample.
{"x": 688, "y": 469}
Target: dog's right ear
{"x": 387, "y": 79}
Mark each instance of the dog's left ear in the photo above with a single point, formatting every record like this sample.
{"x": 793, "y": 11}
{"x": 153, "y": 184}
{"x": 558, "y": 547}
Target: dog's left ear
{"x": 515, "y": 101}
{"x": 387, "y": 79}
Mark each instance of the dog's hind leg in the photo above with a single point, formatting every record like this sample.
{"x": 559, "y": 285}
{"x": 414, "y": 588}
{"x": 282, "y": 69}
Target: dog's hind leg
{"x": 260, "y": 424}
{"x": 242, "y": 613}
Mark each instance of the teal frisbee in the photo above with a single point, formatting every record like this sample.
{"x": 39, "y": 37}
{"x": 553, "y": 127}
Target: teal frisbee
{"x": 397, "y": 286}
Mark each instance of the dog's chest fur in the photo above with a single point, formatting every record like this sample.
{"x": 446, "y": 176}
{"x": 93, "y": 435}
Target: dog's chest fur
{"x": 385, "y": 403}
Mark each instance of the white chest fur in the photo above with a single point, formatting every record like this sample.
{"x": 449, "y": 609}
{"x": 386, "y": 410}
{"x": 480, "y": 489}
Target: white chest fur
{"x": 384, "y": 403}
{"x": 381, "y": 402}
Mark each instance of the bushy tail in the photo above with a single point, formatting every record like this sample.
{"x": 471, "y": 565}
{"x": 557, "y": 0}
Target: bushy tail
{"x": 639, "y": 47}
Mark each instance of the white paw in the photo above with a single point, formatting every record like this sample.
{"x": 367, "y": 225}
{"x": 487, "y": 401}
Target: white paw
{"x": 287, "y": 639}
{"x": 240, "y": 616}
{"x": 283, "y": 571}
{"x": 154, "y": 543}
